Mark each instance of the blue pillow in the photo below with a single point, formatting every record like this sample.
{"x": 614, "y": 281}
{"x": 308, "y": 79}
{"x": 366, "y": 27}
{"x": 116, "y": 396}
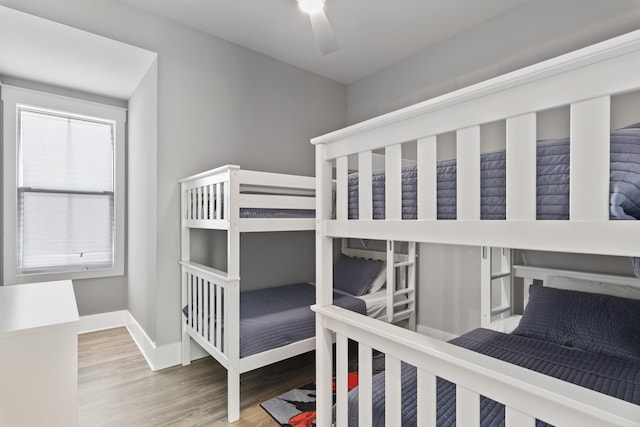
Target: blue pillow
{"x": 591, "y": 322}
{"x": 355, "y": 275}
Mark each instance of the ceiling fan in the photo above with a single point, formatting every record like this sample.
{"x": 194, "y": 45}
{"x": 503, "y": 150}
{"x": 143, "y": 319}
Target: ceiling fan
{"x": 322, "y": 31}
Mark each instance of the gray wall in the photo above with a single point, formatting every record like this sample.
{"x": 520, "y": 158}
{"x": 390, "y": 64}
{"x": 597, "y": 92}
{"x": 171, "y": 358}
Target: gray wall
{"x": 538, "y": 30}
{"x": 218, "y": 103}
{"x": 449, "y": 275}
{"x": 142, "y": 173}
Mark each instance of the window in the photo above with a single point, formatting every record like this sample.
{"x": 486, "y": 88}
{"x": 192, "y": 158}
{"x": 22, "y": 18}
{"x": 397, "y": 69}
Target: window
{"x": 63, "y": 187}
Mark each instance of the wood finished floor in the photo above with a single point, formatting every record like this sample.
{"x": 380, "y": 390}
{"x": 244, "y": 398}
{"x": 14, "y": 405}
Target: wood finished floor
{"x": 117, "y": 388}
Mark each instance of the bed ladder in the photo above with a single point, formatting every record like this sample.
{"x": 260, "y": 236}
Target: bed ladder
{"x": 401, "y": 281}
{"x": 504, "y": 277}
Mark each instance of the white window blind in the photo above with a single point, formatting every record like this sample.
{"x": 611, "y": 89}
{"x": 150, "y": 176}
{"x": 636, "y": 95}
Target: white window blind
{"x": 65, "y": 192}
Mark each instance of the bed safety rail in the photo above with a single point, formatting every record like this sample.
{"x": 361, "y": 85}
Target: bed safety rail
{"x": 252, "y": 200}
{"x": 584, "y": 81}
{"x": 207, "y": 294}
{"x": 525, "y": 394}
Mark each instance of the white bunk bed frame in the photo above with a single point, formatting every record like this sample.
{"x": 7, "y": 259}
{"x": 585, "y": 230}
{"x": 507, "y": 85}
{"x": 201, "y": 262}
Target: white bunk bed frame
{"x": 585, "y": 80}
{"x": 201, "y": 283}
{"x": 226, "y": 183}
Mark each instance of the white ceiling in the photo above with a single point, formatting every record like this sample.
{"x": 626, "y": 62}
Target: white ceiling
{"x": 39, "y": 50}
{"x": 373, "y": 34}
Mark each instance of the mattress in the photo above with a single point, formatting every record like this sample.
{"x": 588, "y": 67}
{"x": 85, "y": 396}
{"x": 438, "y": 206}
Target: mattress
{"x": 552, "y": 182}
{"x": 376, "y": 302}
{"x": 276, "y": 213}
{"x": 616, "y": 377}
{"x": 275, "y": 317}
{"x": 203, "y": 206}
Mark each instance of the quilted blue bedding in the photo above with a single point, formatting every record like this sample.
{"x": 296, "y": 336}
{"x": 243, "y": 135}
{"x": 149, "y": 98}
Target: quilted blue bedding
{"x": 276, "y": 213}
{"x": 613, "y": 376}
{"x": 552, "y": 182}
{"x": 274, "y": 317}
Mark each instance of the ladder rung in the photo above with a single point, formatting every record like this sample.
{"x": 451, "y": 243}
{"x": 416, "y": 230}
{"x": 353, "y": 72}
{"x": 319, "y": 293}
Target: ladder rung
{"x": 500, "y": 275}
{"x": 405, "y": 291}
{"x": 403, "y": 263}
{"x": 401, "y": 315}
{"x": 500, "y": 309}
{"x": 403, "y": 302}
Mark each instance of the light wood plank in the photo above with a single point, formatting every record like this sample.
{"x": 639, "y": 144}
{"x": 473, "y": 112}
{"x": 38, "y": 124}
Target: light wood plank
{"x": 117, "y": 388}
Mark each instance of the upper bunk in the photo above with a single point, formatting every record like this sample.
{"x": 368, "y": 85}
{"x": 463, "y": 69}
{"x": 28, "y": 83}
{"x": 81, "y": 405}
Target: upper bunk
{"x": 583, "y": 81}
{"x": 230, "y": 198}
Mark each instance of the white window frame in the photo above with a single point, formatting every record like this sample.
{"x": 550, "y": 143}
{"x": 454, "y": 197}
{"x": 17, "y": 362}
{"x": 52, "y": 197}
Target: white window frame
{"x": 12, "y": 97}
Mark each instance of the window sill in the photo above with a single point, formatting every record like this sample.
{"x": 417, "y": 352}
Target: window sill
{"x": 69, "y": 275}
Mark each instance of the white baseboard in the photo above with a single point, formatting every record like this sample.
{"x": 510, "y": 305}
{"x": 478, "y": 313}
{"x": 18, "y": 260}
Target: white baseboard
{"x": 435, "y": 333}
{"x": 158, "y": 357}
{"x": 102, "y": 321}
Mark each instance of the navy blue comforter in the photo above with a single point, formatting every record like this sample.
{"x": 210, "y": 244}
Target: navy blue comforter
{"x": 552, "y": 182}
{"x": 274, "y": 317}
{"x": 615, "y": 377}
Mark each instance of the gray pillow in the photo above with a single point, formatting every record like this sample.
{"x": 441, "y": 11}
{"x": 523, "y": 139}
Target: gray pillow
{"x": 595, "y": 323}
{"x": 355, "y": 275}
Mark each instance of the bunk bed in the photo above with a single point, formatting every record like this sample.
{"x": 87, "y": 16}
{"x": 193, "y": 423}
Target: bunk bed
{"x": 585, "y": 81}
{"x": 246, "y": 330}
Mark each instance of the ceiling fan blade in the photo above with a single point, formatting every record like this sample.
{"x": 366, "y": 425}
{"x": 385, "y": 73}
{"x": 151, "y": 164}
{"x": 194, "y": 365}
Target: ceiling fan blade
{"x": 323, "y": 33}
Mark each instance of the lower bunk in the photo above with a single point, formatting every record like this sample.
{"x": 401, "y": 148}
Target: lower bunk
{"x": 585, "y": 344}
{"x": 276, "y": 323}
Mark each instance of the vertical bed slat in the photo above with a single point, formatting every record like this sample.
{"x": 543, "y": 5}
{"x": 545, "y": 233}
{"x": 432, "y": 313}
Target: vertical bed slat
{"x": 506, "y": 282}
{"x": 190, "y": 299}
{"x": 219, "y": 318}
{"x": 365, "y": 388}
{"x": 391, "y": 279}
{"x": 411, "y": 284}
{"x": 515, "y": 418}
{"x": 211, "y": 202}
{"x": 342, "y": 372}
{"x": 589, "y": 160}
{"x": 342, "y": 175}
{"x": 486, "y": 271}
{"x": 365, "y": 185}
{"x": 392, "y": 391}
{"x": 205, "y": 310}
{"x": 200, "y": 287}
{"x": 427, "y": 391}
{"x": 521, "y": 168}
{"x": 467, "y": 407}
{"x": 198, "y": 203}
{"x": 427, "y": 178}
{"x": 468, "y": 173}
{"x": 218, "y": 202}
{"x": 393, "y": 182}
{"x": 189, "y": 204}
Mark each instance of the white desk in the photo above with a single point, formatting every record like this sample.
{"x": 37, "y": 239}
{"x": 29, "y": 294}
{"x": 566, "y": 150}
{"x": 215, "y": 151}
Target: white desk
{"x": 38, "y": 355}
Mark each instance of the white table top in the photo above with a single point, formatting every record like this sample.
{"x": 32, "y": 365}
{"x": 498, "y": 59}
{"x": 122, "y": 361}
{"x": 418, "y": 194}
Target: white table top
{"x": 36, "y": 305}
